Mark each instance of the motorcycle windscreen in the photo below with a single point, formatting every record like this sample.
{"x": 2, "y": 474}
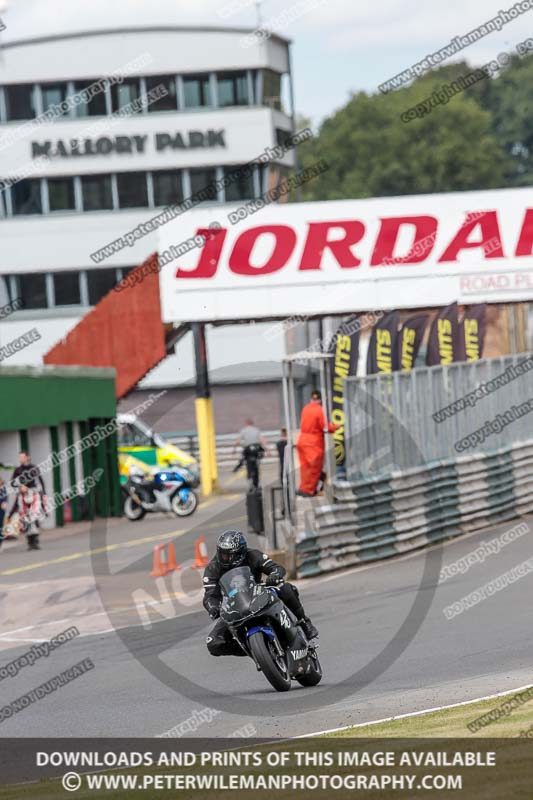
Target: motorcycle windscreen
{"x": 237, "y": 586}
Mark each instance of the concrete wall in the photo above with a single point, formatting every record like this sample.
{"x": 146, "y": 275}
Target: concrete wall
{"x": 232, "y": 403}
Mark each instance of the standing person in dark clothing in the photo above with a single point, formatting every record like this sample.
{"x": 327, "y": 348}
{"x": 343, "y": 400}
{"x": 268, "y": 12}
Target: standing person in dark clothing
{"x": 281, "y": 444}
{"x": 28, "y": 474}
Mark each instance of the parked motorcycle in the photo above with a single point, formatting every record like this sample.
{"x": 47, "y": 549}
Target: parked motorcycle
{"x": 166, "y": 490}
{"x": 267, "y": 631}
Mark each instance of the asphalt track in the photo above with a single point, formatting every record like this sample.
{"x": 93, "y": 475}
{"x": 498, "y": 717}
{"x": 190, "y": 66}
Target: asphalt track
{"x": 386, "y": 645}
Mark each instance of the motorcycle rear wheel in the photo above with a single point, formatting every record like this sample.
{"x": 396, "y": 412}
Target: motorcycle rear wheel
{"x": 132, "y": 510}
{"x": 275, "y": 675}
{"x": 314, "y": 673}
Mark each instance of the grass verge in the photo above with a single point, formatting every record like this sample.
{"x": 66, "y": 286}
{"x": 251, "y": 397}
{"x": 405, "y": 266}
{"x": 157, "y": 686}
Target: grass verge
{"x": 512, "y": 715}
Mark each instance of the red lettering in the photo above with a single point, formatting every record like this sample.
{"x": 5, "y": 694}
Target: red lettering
{"x": 525, "y": 240}
{"x": 425, "y": 231}
{"x": 209, "y": 254}
{"x": 318, "y": 241}
{"x": 490, "y": 238}
{"x": 285, "y": 241}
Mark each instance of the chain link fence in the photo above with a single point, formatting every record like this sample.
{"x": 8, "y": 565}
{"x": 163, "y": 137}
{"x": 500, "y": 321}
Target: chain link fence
{"x": 405, "y": 419}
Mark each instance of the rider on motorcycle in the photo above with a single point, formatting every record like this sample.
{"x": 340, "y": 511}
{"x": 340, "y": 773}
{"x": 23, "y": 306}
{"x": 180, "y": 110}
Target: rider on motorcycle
{"x": 233, "y": 551}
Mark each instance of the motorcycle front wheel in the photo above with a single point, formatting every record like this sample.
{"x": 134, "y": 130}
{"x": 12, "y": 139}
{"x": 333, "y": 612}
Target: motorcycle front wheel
{"x": 273, "y": 666}
{"x": 184, "y": 508}
{"x": 132, "y": 510}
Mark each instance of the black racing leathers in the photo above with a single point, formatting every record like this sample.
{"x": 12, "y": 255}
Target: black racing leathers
{"x": 220, "y": 642}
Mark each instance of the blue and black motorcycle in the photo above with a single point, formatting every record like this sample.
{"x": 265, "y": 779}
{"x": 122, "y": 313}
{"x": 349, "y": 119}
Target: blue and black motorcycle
{"x": 268, "y": 631}
{"x": 166, "y": 490}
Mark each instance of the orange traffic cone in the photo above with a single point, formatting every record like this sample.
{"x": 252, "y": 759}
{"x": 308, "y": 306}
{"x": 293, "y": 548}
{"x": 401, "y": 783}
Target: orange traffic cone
{"x": 200, "y": 553}
{"x": 172, "y": 565}
{"x": 159, "y": 568}
{"x": 162, "y": 566}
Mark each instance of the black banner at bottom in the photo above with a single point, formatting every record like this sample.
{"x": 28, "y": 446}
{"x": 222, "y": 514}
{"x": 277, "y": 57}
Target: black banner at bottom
{"x": 321, "y": 767}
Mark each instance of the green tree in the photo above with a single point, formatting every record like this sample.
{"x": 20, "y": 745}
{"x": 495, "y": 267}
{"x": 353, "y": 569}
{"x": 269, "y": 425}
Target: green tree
{"x": 509, "y": 100}
{"x": 372, "y": 152}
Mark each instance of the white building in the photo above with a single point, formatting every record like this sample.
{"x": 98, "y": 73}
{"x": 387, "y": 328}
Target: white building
{"x": 181, "y": 107}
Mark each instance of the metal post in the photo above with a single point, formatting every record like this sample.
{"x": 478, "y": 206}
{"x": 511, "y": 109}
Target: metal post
{"x": 204, "y": 412}
{"x": 288, "y": 462}
{"x": 289, "y": 488}
{"x": 329, "y": 449}
{"x": 293, "y": 117}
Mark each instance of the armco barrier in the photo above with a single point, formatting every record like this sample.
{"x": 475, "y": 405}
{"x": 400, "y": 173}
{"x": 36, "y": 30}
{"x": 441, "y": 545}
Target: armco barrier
{"x": 224, "y": 446}
{"x": 390, "y": 514}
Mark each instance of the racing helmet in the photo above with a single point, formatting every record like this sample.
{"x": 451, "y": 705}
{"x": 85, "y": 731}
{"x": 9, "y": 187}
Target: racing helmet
{"x": 231, "y": 549}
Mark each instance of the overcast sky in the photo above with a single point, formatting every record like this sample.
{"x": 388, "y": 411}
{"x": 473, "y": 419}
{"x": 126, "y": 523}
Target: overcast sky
{"x": 339, "y": 46}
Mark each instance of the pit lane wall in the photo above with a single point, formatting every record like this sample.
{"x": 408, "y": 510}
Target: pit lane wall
{"x": 430, "y": 454}
{"x": 404, "y": 510}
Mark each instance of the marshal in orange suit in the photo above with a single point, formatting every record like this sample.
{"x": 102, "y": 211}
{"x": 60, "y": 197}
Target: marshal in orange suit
{"x": 310, "y": 444}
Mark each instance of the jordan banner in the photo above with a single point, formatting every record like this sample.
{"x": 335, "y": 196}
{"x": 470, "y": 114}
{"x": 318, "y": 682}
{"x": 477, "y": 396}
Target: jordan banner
{"x": 446, "y": 341}
{"x": 474, "y": 331}
{"x": 345, "y": 347}
{"x": 409, "y": 341}
{"x": 382, "y": 347}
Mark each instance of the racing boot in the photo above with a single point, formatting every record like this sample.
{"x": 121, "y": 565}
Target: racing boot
{"x": 308, "y": 628}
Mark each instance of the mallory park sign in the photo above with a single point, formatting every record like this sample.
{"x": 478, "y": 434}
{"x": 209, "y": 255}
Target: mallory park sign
{"x": 106, "y": 145}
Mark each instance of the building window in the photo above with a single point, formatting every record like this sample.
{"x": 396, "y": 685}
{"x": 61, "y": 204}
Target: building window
{"x": 32, "y": 291}
{"x": 196, "y": 91}
{"x": 61, "y": 194}
{"x": 282, "y": 136}
{"x": 100, "y": 282}
{"x": 254, "y": 99}
{"x": 203, "y": 179}
{"x": 53, "y": 94}
{"x": 122, "y": 94}
{"x": 271, "y": 89}
{"x": 277, "y": 176}
{"x": 133, "y": 435}
{"x": 96, "y": 192}
{"x": 232, "y": 89}
{"x": 96, "y": 105}
{"x": 67, "y": 288}
{"x": 132, "y": 190}
{"x": 168, "y": 188}
{"x": 241, "y": 186}
{"x": 5, "y": 290}
{"x": 26, "y": 197}
{"x": 168, "y": 101}
{"x": 20, "y": 101}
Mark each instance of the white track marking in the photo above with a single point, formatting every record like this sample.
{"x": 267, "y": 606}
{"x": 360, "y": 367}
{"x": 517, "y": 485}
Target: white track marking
{"x": 73, "y": 618}
{"x": 32, "y": 627}
{"x": 416, "y": 713}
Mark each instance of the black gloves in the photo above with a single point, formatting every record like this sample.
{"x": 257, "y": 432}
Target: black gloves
{"x": 214, "y": 612}
{"x": 274, "y": 579}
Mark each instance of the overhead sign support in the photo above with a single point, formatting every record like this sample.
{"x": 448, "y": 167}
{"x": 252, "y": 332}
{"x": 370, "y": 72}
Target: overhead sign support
{"x": 294, "y": 506}
{"x": 205, "y": 423}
